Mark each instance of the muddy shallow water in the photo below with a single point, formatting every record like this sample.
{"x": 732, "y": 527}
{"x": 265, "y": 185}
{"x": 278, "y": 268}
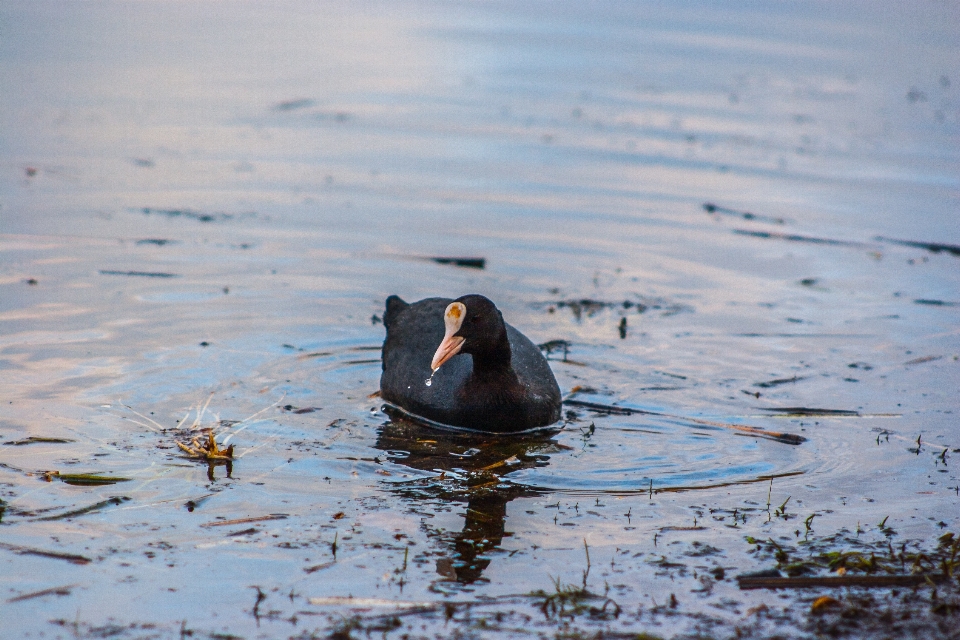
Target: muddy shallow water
{"x": 738, "y": 229}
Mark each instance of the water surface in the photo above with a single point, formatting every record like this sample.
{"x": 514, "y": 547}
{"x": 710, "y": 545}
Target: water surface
{"x": 203, "y": 208}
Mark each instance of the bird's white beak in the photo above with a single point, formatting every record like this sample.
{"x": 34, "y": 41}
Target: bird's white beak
{"x": 451, "y": 344}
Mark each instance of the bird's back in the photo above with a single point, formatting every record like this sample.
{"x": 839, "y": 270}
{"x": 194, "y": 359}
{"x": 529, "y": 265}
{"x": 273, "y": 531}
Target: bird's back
{"x": 413, "y": 333}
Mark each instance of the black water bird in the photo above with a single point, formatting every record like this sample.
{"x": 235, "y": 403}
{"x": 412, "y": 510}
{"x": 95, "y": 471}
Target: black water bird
{"x": 456, "y": 362}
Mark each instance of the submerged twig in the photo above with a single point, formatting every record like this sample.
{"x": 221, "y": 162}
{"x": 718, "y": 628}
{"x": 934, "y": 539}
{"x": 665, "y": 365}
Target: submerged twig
{"x": 69, "y": 557}
{"x": 53, "y": 591}
{"x": 763, "y": 582}
{"x": 230, "y": 523}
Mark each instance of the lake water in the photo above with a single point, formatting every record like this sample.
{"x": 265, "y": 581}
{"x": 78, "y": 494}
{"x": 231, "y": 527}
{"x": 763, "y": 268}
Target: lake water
{"x": 742, "y": 222}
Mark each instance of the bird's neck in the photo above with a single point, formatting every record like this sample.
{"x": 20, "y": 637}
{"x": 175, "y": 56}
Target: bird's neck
{"x": 494, "y": 382}
{"x": 493, "y": 361}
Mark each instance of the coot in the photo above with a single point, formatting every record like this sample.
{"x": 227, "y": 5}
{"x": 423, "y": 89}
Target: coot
{"x": 458, "y": 363}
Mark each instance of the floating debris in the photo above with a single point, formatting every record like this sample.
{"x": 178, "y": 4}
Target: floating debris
{"x": 589, "y": 307}
{"x": 897, "y": 567}
{"x": 142, "y": 274}
{"x": 53, "y": 591}
{"x": 37, "y": 440}
{"x": 293, "y": 105}
{"x": 115, "y": 500}
{"x": 512, "y": 461}
{"x": 824, "y": 602}
{"x": 604, "y": 408}
{"x": 779, "y": 381}
{"x": 189, "y": 213}
{"x": 805, "y": 582}
{"x": 933, "y": 247}
{"x": 299, "y": 410}
{"x": 709, "y": 207}
{"x": 191, "y": 505}
{"x": 226, "y": 523}
{"x": 809, "y": 412}
{"x": 792, "y": 237}
{"x": 69, "y": 557}
{"x": 206, "y": 450}
{"x": 82, "y": 479}
{"x": 159, "y": 242}
{"x": 467, "y": 263}
{"x": 317, "y": 354}
{"x": 936, "y": 303}
{"x": 319, "y": 567}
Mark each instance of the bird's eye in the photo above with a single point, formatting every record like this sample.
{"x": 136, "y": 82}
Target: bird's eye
{"x": 475, "y": 318}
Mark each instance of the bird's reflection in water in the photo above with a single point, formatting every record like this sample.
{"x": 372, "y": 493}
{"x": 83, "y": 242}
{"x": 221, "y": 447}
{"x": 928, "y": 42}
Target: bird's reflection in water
{"x": 474, "y": 469}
